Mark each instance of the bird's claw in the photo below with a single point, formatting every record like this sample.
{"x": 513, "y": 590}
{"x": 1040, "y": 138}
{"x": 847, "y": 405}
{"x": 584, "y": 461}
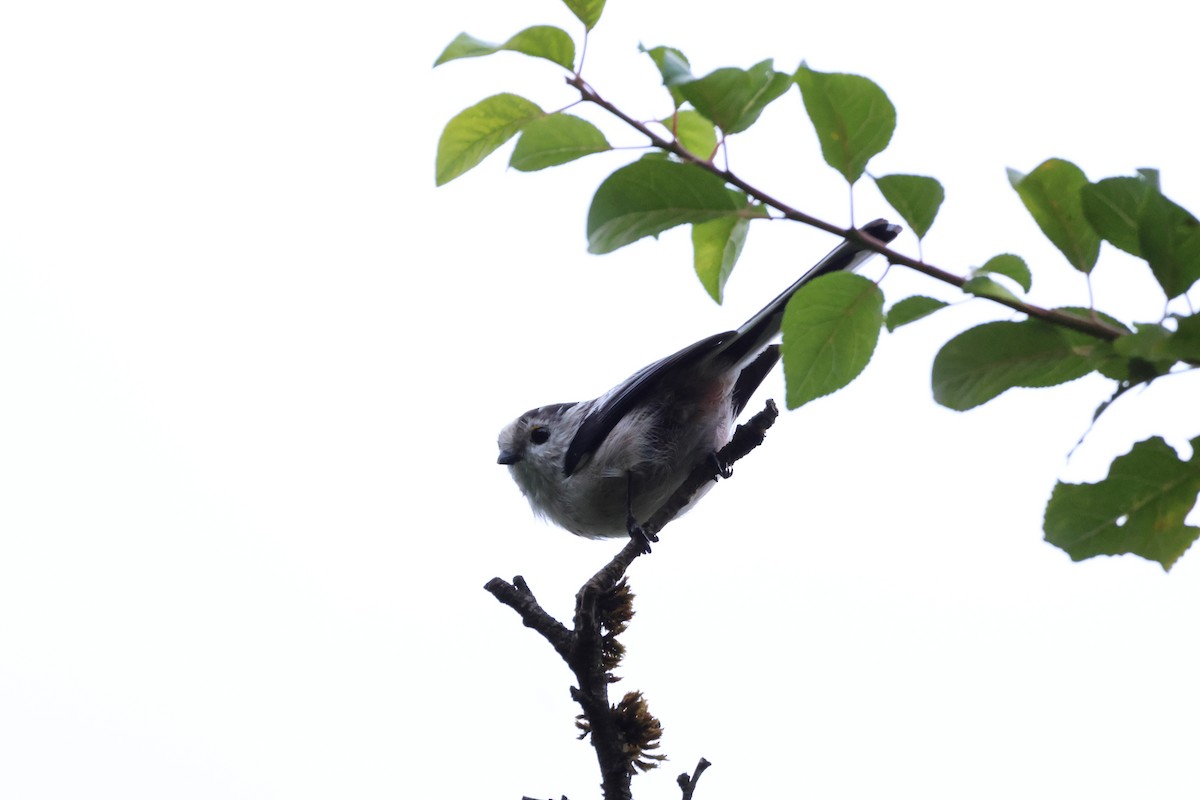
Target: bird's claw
{"x": 640, "y": 534}
{"x": 723, "y": 470}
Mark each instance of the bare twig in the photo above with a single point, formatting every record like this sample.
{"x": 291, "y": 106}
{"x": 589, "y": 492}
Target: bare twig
{"x": 688, "y": 784}
{"x": 748, "y": 436}
{"x": 519, "y": 598}
{"x": 622, "y": 735}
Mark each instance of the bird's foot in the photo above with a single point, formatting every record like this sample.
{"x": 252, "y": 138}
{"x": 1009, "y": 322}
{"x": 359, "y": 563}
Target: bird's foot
{"x": 640, "y": 534}
{"x": 723, "y": 470}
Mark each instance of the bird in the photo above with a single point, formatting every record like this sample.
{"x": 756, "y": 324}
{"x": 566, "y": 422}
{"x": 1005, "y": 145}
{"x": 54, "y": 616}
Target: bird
{"x": 598, "y": 467}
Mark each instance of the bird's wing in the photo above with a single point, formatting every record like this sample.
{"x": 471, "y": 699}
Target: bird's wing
{"x": 751, "y": 376}
{"x": 612, "y": 407}
{"x": 731, "y": 348}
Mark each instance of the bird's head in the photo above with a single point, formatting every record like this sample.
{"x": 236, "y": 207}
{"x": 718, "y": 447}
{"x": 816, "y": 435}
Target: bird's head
{"x": 534, "y": 444}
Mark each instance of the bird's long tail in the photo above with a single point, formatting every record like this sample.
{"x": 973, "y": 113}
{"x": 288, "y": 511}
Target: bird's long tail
{"x": 763, "y": 326}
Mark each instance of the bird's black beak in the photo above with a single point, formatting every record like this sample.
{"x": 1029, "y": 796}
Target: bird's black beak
{"x": 508, "y": 457}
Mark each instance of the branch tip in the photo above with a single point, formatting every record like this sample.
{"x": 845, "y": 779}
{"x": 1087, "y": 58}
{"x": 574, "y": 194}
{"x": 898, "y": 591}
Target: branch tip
{"x": 688, "y": 784}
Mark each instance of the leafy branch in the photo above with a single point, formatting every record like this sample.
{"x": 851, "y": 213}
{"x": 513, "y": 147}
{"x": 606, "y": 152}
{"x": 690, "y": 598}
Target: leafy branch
{"x": 1095, "y": 326}
{"x": 831, "y": 326}
{"x": 678, "y": 182}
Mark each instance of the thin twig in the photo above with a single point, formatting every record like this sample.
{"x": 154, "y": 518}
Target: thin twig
{"x": 688, "y": 784}
{"x": 748, "y": 436}
{"x": 519, "y": 598}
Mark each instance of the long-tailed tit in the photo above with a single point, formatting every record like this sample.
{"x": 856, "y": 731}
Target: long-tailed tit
{"x": 597, "y": 467}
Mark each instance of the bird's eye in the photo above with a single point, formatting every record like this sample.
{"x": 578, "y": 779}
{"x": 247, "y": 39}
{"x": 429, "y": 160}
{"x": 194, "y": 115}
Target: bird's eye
{"x": 539, "y": 435}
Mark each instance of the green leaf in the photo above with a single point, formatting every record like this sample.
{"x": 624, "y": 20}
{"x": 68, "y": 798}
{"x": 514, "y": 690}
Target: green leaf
{"x": 674, "y": 68}
{"x": 1149, "y": 342}
{"x": 672, "y": 64}
{"x": 1139, "y": 508}
{"x": 473, "y": 134}
{"x": 1113, "y": 207}
{"x": 556, "y": 139}
{"x": 1150, "y": 345}
{"x": 649, "y": 196}
{"x": 985, "y": 361}
{"x": 916, "y": 198}
{"x": 1125, "y": 371}
{"x": 830, "y": 329}
{"x": 588, "y": 11}
{"x": 1099, "y": 352}
{"x": 853, "y": 118}
{"x": 1052, "y": 194}
{"x": 1169, "y": 239}
{"x": 692, "y": 130}
{"x": 1009, "y": 266}
{"x": 540, "y": 41}
{"x": 911, "y": 309}
{"x": 982, "y": 286}
{"x": 717, "y": 245}
{"x": 1185, "y": 342}
{"x": 466, "y": 46}
{"x": 734, "y": 98}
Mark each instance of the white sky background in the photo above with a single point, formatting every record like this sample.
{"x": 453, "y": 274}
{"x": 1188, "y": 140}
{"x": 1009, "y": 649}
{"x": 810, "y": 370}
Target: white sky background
{"x": 253, "y": 365}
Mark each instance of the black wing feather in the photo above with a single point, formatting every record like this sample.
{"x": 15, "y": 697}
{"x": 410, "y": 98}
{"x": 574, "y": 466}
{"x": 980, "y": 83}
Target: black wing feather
{"x": 600, "y": 422}
{"x": 751, "y": 376}
{"x": 731, "y": 347}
